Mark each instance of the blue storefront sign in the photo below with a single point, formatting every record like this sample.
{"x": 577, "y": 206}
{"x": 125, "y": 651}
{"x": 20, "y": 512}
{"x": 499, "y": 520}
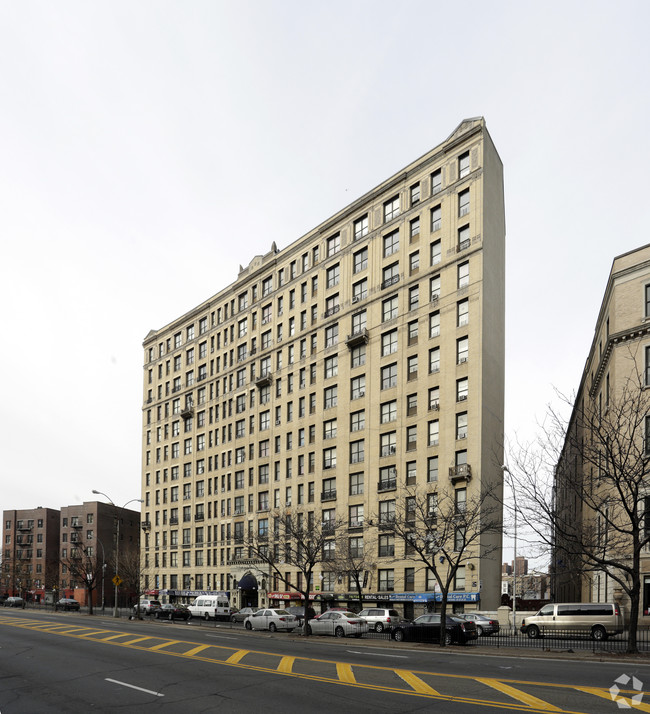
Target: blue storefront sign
{"x": 435, "y": 597}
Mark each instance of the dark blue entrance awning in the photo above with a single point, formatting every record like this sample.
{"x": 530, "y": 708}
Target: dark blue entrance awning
{"x": 248, "y": 582}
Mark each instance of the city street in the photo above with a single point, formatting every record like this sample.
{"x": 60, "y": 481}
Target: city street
{"x": 59, "y": 662}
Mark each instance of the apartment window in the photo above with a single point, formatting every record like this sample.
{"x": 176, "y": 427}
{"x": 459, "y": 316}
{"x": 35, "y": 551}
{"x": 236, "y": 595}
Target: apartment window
{"x": 414, "y": 297}
{"x": 434, "y": 360}
{"x": 333, "y": 244}
{"x": 361, "y": 227}
{"x": 434, "y": 432}
{"x": 243, "y": 301}
{"x": 357, "y": 451}
{"x": 460, "y": 500}
{"x": 459, "y": 579}
{"x": 266, "y": 313}
{"x": 389, "y": 343}
{"x": 331, "y": 366}
{"x": 359, "y": 322}
{"x": 388, "y": 411}
{"x": 386, "y": 512}
{"x": 355, "y": 516}
{"x": 414, "y": 263}
{"x": 461, "y": 425}
{"x": 190, "y": 332}
{"x": 388, "y": 444}
{"x": 386, "y": 580}
{"x": 360, "y": 290}
{"x": 434, "y": 398}
{"x": 462, "y": 388}
{"x": 414, "y": 192}
{"x": 360, "y": 260}
{"x": 358, "y": 356}
{"x": 434, "y": 324}
{"x": 267, "y": 286}
{"x": 462, "y": 312}
{"x": 389, "y": 376}
{"x": 432, "y": 469}
{"x": 386, "y": 546}
{"x": 391, "y": 209}
{"x": 434, "y": 288}
{"x": 459, "y": 539}
{"x": 333, "y": 275}
{"x": 462, "y": 350}
{"x": 356, "y": 484}
{"x": 463, "y": 275}
{"x": 358, "y": 420}
{"x": 463, "y": 203}
{"x": 436, "y": 218}
{"x": 358, "y": 387}
{"x": 647, "y": 300}
{"x": 389, "y": 309}
{"x": 330, "y": 397}
{"x": 390, "y": 275}
{"x": 391, "y": 243}
{"x": 463, "y": 165}
{"x": 414, "y": 228}
{"x": 329, "y": 458}
{"x": 463, "y": 238}
{"x": 412, "y": 365}
{"x": 265, "y": 420}
{"x": 436, "y": 252}
{"x": 329, "y": 429}
{"x": 411, "y": 438}
{"x": 331, "y": 335}
{"x": 436, "y": 181}
{"x": 647, "y": 366}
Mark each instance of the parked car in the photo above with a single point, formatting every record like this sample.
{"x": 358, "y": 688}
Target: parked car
{"x": 426, "y": 628}
{"x": 209, "y": 607}
{"x": 146, "y": 607}
{"x": 600, "y": 620}
{"x": 484, "y": 625}
{"x": 170, "y": 611}
{"x": 338, "y": 623}
{"x": 299, "y": 612}
{"x": 14, "y": 602}
{"x": 381, "y": 618}
{"x": 241, "y": 615}
{"x": 67, "y": 603}
{"x": 271, "y": 620}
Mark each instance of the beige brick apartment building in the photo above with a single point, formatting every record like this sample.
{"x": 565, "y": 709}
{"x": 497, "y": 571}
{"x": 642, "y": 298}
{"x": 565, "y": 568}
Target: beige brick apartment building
{"x": 365, "y": 357}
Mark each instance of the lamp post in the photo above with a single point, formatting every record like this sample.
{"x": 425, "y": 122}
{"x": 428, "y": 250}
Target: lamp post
{"x": 117, "y": 541}
{"x": 103, "y": 572}
{"x": 514, "y": 562}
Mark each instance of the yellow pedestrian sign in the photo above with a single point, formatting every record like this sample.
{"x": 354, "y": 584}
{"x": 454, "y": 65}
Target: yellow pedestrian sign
{"x": 117, "y": 581}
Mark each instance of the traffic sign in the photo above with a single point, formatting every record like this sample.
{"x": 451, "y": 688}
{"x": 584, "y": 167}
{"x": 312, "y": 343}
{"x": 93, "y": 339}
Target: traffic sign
{"x": 117, "y": 581}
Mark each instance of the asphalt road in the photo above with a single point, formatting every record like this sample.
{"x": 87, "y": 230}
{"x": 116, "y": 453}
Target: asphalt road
{"x": 69, "y": 662}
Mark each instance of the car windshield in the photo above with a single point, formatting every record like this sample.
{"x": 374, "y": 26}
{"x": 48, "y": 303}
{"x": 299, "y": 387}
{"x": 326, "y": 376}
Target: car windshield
{"x": 282, "y": 612}
{"x": 348, "y": 614}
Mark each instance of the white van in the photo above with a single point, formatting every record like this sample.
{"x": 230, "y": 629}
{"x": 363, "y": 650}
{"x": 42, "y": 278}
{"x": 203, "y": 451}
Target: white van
{"x": 211, "y": 606}
{"x": 598, "y": 619}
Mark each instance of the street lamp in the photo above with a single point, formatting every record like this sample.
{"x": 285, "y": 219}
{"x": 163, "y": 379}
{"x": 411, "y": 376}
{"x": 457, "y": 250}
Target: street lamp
{"x": 117, "y": 542}
{"x": 103, "y": 572}
{"x": 505, "y": 469}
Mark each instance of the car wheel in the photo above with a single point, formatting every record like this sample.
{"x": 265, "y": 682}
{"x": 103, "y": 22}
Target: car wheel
{"x": 206, "y": 617}
{"x": 339, "y": 632}
{"x": 533, "y": 632}
{"x": 448, "y": 638}
{"x": 398, "y": 635}
{"x": 479, "y": 630}
{"x": 599, "y": 633}
{"x": 379, "y": 627}
{"x": 273, "y": 627}
{"x": 233, "y": 618}
{"x": 249, "y": 626}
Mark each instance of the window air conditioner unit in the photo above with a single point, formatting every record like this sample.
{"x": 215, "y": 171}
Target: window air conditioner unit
{"x": 355, "y": 299}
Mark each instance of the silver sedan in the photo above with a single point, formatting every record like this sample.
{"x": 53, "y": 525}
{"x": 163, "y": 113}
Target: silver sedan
{"x": 272, "y": 620}
{"x": 338, "y": 624}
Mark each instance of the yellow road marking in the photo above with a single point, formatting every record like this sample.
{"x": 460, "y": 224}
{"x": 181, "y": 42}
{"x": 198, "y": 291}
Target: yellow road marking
{"x": 414, "y": 681}
{"x": 164, "y": 644}
{"x": 286, "y": 665}
{"x": 237, "y": 656}
{"x": 344, "y": 673}
{"x": 94, "y": 632}
{"x": 137, "y": 639}
{"x": 196, "y": 650}
{"x": 519, "y": 695}
{"x": 604, "y": 693}
{"x": 114, "y": 637}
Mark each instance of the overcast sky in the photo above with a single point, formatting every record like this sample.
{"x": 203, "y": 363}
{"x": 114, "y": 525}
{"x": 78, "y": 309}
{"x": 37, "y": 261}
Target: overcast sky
{"x": 149, "y": 148}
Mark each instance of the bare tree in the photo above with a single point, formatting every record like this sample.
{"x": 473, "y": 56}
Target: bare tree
{"x": 583, "y": 489}
{"x": 298, "y": 542}
{"x": 85, "y": 565}
{"x": 445, "y": 533}
{"x": 355, "y": 560}
{"x": 133, "y": 573}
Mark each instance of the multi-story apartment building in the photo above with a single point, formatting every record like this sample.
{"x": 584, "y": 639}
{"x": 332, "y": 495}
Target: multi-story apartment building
{"x": 30, "y": 558}
{"x": 601, "y": 488}
{"x": 364, "y": 358}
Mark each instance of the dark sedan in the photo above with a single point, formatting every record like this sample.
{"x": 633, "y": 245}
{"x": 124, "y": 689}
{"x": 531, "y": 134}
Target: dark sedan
{"x": 67, "y": 603}
{"x": 170, "y": 611}
{"x": 299, "y": 612}
{"x": 426, "y": 628}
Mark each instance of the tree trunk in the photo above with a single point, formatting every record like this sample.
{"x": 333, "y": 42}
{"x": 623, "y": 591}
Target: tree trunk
{"x": 89, "y": 596}
{"x": 443, "y": 619}
{"x": 635, "y": 593}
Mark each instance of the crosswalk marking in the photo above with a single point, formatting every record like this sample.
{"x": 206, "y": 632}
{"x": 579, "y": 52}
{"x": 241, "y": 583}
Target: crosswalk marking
{"x": 196, "y": 650}
{"x": 237, "y": 656}
{"x": 414, "y": 681}
{"x": 520, "y": 696}
{"x": 162, "y": 645}
{"x": 344, "y": 673}
{"x": 137, "y": 639}
{"x": 286, "y": 665}
{"x": 604, "y": 693}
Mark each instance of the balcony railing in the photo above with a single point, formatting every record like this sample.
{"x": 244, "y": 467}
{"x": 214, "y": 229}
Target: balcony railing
{"x": 461, "y": 472}
{"x": 328, "y": 495}
{"x": 264, "y": 380}
{"x": 387, "y": 485}
{"x": 359, "y": 337}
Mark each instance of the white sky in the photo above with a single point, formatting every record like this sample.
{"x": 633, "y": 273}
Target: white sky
{"x": 149, "y": 148}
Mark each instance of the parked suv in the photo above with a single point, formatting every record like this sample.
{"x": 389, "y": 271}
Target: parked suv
{"x": 600, "y": 620}
{"x": 380, "y": 618}
{"x": 146, "y": 607}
